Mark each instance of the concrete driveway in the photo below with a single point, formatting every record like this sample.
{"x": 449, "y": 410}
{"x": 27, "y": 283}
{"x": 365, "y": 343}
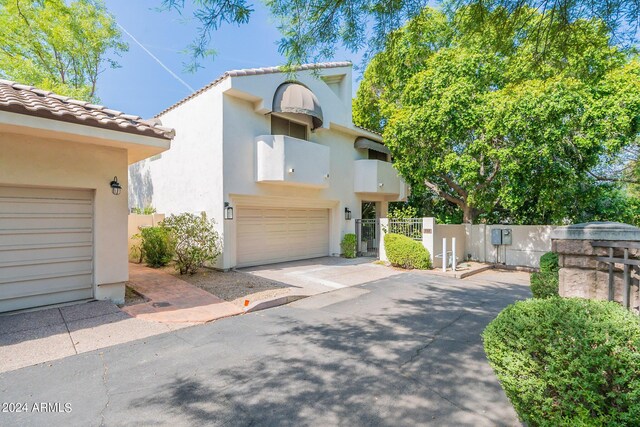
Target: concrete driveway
{"x": 315, "y": 276}
{"x": 401, "y": 351}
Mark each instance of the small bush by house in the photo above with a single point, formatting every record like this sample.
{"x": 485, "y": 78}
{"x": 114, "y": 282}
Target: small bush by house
{"x": 156, "y": 246}
{"x": 196, "y": 241}
{"x": 348, "y": 245}
{"x": 568, "y": 362}
{"x": 544, "y": 284}
{"x": 406, "y": 253}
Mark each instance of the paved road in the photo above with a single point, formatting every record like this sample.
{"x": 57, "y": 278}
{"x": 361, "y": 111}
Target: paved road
{"x": 405, "y": 350}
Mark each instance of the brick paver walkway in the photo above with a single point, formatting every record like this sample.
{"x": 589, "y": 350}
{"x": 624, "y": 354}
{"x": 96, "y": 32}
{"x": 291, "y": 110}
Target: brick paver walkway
{"x": 174, "y": 300}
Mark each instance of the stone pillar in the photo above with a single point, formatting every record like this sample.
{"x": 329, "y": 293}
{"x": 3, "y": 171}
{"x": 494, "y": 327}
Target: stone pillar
{"x": 581, "y": 274}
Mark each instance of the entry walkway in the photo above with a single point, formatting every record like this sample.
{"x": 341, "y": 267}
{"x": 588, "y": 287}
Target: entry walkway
{"x": 174, "y": 300}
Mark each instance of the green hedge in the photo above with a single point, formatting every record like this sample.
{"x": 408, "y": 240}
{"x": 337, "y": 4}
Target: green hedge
{"x": 348, "y": 245}
{"x": 568, "y": 361}
{"x": 549, "y": 262}
{"x": 545, "y": 283}
{"x": 405, "y": 252}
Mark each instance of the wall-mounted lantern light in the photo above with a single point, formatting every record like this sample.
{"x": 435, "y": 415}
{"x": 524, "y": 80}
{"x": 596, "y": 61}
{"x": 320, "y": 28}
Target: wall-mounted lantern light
{"x": 228, "y": 211}
{"x": 347, "y": 214}
{"x": 116, "y": 188}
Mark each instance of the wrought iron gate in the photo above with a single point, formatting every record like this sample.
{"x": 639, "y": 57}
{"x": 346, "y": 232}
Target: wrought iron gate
{"x": 368, "y": 237}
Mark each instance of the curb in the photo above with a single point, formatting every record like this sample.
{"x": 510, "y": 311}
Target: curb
{"x": 275, "y": 302}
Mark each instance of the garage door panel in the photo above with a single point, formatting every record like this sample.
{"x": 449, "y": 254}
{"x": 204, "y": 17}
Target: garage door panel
{"x": 12, "y": 205}
{"x": 267, "y": 235}
{"x": 36, "y": 252}
{"x": 33, "y": 285}
{"x": 15, "y": 271}
{"x": 46, "y": 246}
{"x": 45, "y": 299}
{"x": 45, "y": 236}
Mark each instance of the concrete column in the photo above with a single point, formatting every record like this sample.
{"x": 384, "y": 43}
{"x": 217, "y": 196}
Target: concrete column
{"x": 384, "y": 226}
{"x": 428, "y": 230}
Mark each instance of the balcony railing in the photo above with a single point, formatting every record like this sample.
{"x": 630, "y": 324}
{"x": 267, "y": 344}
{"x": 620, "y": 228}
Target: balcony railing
{"x": 376, "y": 176}
{"x": 281, "y": 159}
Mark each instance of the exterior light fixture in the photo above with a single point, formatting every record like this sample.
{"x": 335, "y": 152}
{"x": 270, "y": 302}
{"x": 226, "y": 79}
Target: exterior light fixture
{"x": 116, "y": 188}
{"x": 291, "y": 170}
{"x": 381, "y": 185}
{"x": 347, "y": 214}
{"x": 228, "y": 211}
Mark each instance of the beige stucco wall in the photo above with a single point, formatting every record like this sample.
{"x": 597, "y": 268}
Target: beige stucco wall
{"x": 448, "y": 231}
{"x": 530, "y": 242}
{"x": 137, "y": 221}
{"x": 35, "y": 161}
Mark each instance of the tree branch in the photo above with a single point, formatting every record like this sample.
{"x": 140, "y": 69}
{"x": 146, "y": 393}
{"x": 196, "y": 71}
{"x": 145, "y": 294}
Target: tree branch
{"x": 608, "y": 179}
{"x": 434, "y": 188}
{"x": 494, "y": 173}
{"x": 461, "y": 191}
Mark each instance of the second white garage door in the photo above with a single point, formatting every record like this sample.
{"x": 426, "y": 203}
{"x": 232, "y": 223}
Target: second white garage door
{"x": 269, "y": 235}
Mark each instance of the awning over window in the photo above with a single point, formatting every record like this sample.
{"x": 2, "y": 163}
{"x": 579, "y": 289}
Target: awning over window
{"x": 362, "y": 142}
{"x": 294, "y": 98}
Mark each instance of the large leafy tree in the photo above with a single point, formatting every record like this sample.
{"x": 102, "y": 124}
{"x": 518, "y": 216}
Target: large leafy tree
{"x": 485, "y": 123}
{"x": 58, "y": 45}
{"x": 313, "y": 29}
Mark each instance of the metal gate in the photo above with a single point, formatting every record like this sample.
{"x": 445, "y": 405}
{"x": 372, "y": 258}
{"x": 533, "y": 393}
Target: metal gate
{"x": 368, "y": 237}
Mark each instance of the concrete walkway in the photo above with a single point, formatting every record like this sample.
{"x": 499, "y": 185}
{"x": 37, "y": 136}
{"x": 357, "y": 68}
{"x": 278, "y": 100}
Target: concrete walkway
{"x": 41, "y": 336}
{"x": 174, "y": 300}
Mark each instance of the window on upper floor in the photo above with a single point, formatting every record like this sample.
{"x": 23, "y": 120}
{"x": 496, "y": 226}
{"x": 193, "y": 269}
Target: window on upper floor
{"x": 282, "y": 126}
{"x": 376, "y": 155}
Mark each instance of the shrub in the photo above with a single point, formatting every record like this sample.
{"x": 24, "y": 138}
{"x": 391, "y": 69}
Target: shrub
{"x": 568, "y": 361}
{"x": 405, "y": 252}
{"x": 196, "y": 241}
{"x": 147, "y": 210}
{"x": 545, "y": 283}
{"x": 156, "y": 246}
{"x": 348, "y": 246}
{"x": 549, "y": 262}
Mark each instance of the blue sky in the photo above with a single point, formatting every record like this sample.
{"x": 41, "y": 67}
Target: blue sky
{"x": 141, "y": 86}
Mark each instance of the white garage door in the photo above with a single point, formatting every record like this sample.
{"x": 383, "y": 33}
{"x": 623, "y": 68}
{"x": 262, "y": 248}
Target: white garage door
{"x": 46, "y": 246}
{"x": 268, "y": 235}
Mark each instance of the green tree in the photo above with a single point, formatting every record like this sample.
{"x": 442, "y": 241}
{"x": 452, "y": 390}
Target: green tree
{"x": 313, "y": 29}
{"x": 477, "y": 121}
{"x": 57, "y": 45}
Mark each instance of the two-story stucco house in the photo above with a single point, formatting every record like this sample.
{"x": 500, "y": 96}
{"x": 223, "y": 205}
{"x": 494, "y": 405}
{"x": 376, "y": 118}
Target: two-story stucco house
{"x": 275, "y": 159}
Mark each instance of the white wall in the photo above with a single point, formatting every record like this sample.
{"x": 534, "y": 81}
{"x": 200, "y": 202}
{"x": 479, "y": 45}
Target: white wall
{"x": 35, "y": 161}
{"x": 219, "y": 127}
{"x": 529, "y": 243}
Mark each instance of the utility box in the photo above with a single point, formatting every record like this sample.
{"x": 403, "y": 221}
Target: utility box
{"x": 496, "y": 236}
{"x": 506, "y": 236}
{"x": 501, "y": 236}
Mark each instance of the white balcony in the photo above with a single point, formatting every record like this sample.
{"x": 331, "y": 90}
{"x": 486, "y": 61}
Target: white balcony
{"x": 285, "y": 160}
{"x": 378, "y": 177}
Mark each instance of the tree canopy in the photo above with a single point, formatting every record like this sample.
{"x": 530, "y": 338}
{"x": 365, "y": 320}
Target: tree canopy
{"x": 313, "y": 29}
{"x": 57, "y": 45}
{"x": 485, "y": 123}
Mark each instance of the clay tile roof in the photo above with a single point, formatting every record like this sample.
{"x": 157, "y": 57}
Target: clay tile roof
{"x": 254, "y": 72}
{"x": 23, "y": 99}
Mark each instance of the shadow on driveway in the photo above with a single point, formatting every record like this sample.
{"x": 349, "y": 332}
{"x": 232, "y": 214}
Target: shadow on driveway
{"x": 401, "y": 351}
